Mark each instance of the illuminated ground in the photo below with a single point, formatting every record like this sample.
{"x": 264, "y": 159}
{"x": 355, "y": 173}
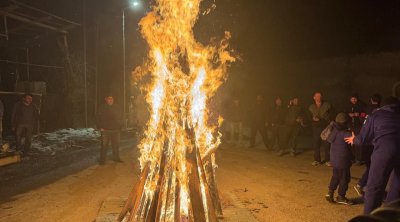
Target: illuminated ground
{"x": 254, "y": 184}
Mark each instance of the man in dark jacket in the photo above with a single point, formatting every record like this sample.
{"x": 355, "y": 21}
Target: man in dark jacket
{"x": 109, "y": 122}
{"x": 258, "y": 121}
{"x": 294, "y": 122}
{"x": 23, "y": 120}
{"x": 382, "y": 129}
{"x": 320, "y": 111}
{"x": 277, "y": 115}
{"x": 357, "y": 113}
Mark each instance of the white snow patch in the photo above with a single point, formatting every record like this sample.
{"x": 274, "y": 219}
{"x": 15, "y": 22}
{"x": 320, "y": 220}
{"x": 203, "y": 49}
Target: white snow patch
{"x": 65, "y": 139}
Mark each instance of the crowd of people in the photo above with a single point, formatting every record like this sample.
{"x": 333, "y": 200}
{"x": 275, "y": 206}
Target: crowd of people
{"x": 361, "y": 134}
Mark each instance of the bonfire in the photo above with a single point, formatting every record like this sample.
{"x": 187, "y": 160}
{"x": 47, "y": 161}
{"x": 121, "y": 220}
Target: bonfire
{"x": 179, "y": 79}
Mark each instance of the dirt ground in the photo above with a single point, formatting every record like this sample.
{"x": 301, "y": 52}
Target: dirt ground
{"x": 255, "y": 185}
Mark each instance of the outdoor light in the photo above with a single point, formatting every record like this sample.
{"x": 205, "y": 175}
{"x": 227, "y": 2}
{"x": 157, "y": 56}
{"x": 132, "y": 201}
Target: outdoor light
{"x": 136, "y": 6}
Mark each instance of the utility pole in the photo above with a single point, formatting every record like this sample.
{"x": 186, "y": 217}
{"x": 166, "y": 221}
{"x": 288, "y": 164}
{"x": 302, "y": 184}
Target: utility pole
{"x": 84, "y": 62}
{"x": 97, "y": 68}
{"x": 124, "y": 64}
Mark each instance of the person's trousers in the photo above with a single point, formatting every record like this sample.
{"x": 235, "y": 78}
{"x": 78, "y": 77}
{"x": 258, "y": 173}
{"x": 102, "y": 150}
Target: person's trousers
{"x": 384, "y": 161}
{"x": 358, "y": 153}
{"x": 366, "y": 157}
{"x": 24, "y": 131}
{"x": 340, "y": 178}
{"x": 292, "y": 133}
{"x": 278, "y": 137}
{"x": 262, "y": 130}
{"x": 318, "y": 143}
{"x": 236, "y": 127}
{"x": 394, "y": 191}
{"x": 364, "y": 178}
{"x": 107, "y": 137}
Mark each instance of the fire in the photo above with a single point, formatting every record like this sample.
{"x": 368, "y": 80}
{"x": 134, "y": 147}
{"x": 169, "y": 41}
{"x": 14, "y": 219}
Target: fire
{"x": 181, "y": 76}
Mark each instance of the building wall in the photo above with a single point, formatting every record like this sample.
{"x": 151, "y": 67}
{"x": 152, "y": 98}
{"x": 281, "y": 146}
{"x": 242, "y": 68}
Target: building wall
{"x": 340, "y": 77}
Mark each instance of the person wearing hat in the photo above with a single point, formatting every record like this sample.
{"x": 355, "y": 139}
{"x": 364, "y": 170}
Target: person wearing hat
{"x": 341, "y": 156}
{"x": 382, "y": 129}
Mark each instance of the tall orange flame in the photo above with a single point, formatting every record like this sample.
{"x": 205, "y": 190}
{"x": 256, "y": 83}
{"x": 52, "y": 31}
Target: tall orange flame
{"x": 182, "y": 76}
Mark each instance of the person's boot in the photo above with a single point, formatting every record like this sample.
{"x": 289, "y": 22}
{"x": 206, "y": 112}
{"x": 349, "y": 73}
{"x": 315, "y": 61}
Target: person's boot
{"x": 343, "y": 200}
{"x": 329, "y": 197}
{"x": 359, "y": 190}
{"x": 316, "y": 163}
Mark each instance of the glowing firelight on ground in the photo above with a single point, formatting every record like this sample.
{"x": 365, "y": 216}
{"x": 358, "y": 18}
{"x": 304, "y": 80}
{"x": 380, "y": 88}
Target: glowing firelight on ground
{"x": 177, "y": 149}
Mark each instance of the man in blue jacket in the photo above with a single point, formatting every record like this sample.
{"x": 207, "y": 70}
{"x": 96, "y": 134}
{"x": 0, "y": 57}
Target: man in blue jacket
{"x": 382, "y": 128}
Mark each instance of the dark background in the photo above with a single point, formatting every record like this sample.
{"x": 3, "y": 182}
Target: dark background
{"x": 267, "y": 35}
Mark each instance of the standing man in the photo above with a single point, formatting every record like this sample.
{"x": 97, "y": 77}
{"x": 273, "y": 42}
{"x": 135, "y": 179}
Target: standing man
{"x": 1, "y": 122}
{"x": 357, "y": 113}
{"x": 382, "y": 128}
{"x": 109, "y": 122}
{"x": 235, "y": 119}
{"x": 294, "y": 123}
{"x": 23, "y": 120}
{"x": 320, "y": 111}
{"x": 258, "y": 121}
{"x": 276, "y": 121}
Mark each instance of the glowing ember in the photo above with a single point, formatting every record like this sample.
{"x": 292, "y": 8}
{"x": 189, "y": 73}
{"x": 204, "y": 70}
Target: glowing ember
{"x": 177, "y": 160}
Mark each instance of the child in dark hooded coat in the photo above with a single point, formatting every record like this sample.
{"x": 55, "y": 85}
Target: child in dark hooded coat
{"x": 340, "y": 159}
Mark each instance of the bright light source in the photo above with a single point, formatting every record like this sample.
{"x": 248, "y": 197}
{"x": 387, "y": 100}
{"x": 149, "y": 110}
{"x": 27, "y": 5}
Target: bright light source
{"x": 135, "y": 4}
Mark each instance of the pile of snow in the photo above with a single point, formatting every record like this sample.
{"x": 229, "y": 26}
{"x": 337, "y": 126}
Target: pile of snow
{"x": 65, "y": 139}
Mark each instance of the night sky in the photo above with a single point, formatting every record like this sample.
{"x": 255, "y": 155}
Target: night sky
{"x": 266, "y": 34}
{"x": 271, "y": 32}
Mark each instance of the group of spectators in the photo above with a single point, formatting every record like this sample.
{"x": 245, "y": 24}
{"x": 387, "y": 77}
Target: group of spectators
{"x": 23, "y": 119}
{"x": 360, "y": 134}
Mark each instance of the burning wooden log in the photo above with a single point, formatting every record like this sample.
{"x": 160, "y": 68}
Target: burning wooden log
{"x": 165, "y": 204}
{"x": 212, "y": 184}
{"x": 134, "y": 194}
